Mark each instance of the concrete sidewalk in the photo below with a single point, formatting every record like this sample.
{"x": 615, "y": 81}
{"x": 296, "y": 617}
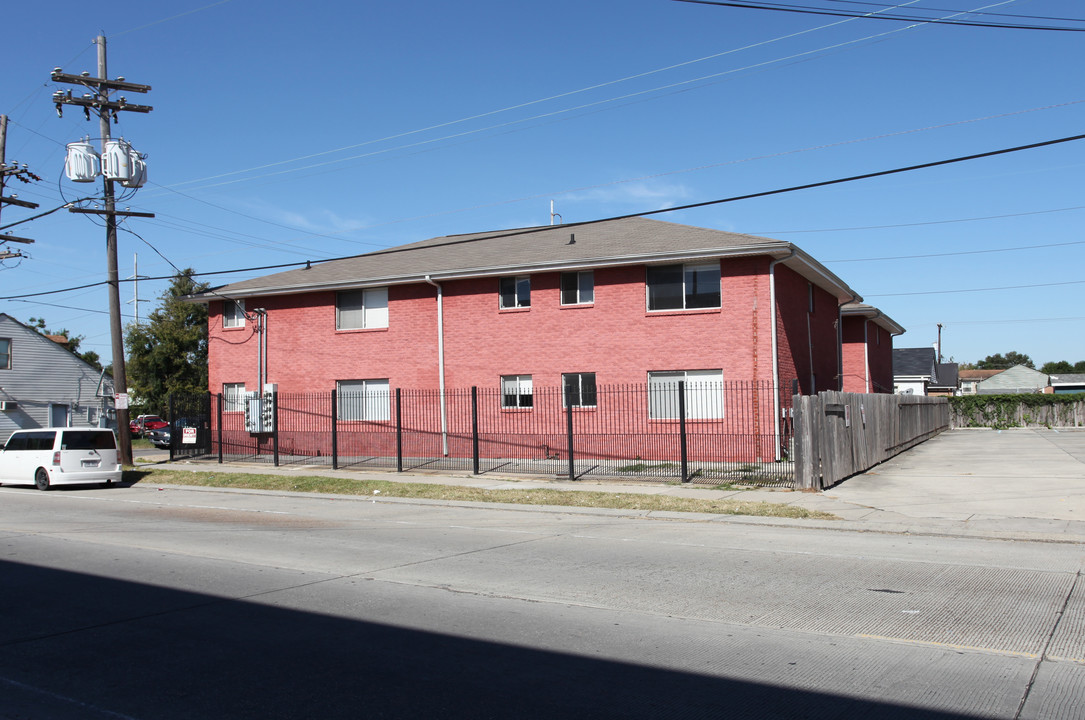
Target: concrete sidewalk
{"x": 1013, "y": 484}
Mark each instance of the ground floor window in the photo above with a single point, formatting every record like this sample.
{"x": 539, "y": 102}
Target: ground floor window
{"x": 703, "y": 394}
{"x": 516, "y": 391}
{"x": 233, "y": 397}
{"x": 579, "y": 389}
{"x": 364, "y": 399}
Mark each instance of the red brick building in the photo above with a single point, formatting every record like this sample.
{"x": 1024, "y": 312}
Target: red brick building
{"x": 867, "y": 348}
{"x": 579, "y": 307}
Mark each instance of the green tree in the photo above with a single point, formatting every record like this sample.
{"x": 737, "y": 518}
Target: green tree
{"x": 168, "y": 354}
{"x": 998, "y": 362}
{"x": 90, "y": 357}
{"x": 1062, "y": 366}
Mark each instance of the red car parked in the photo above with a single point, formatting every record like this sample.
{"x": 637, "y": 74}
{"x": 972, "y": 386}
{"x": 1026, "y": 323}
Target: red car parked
{"x": 146, "y": 422}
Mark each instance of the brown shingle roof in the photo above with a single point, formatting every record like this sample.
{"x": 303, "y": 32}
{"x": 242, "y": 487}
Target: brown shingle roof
{"x": 559, "y": 247}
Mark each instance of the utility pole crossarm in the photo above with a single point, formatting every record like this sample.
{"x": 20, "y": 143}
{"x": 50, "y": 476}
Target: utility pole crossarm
{"x": 15, "y": 201}
{"x": 101, "y": 86}
{"x": 95, "y": 83}
{"x": 90, "y": 101}
{"x": 122, "y": 213}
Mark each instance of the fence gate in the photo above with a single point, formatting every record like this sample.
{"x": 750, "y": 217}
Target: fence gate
{"x": 190, "y": 425}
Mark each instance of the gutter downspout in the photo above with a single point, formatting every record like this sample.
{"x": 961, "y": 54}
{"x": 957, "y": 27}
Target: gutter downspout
{"x": 441, "y": 361}
{"x": 775, "y": 350}
{"x": 866, "y": 352}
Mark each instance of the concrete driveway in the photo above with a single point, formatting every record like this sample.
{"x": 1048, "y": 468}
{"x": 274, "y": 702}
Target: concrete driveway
{"x": 996, "y": 477}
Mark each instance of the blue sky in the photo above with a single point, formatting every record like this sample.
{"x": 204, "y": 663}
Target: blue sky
{"x": 285, "y": 132}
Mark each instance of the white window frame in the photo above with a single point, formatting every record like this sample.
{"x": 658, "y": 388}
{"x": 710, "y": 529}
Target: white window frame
{"x": 704, "y": 394}
{"x": 233, "y": 397}
{"x": 579, "y": 394}
{"x": 233, "y": 313}
{"x": 521, "y": 292}
{"x": 370, "y": 313}
{"x": 367, "y": 400}
{"x": 584, "y": 291}
{"x": 519, "y": 387}
{"x": 5, "y": 356}
{"x": 688, "y": 271}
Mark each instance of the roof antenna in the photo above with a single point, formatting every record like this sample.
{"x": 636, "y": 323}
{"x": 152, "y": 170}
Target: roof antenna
{"x": 555, "y": 215}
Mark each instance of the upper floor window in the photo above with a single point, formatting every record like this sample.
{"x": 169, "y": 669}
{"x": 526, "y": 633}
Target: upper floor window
{"x": 364, "y": 399}
{"x": 233, "y": 313}
{"x": 577, "y": 288}
{"x": 579, "y": 389}
{"x": 516, "y": 391}
{"x": 683, "y": 287}
{"x": 5, "y": 353}
{"x": 515, "y": 292}
{"x": 360, "y": 309}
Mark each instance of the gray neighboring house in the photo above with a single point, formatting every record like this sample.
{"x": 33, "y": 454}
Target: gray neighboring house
{"x": 1017, "y": 380}
{"x": 42, "y": 384}
{"x": 916, "y": 371}
{"x": 1066, "y": 383}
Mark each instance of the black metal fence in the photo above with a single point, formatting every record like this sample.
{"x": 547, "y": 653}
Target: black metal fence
{"x": 714, "y": 433}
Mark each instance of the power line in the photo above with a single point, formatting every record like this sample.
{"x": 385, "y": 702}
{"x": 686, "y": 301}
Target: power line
{"x": 807, "y": 10}
{"x": 986, "y": 289}
{"x": 971, "y": 12}
{"x": 542, "y": 100}
{"x": 963, "y": 252}
{"x": 646, "y": 213}
{"x": 917, "y": 224}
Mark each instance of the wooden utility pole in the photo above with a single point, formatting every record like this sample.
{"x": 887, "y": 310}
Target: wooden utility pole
{"x": 21, "y": 174}
{"x": 106, "y": 109}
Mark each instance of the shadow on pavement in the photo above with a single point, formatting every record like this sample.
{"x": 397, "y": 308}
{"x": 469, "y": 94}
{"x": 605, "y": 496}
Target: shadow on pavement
{"x": 81, "y": 646}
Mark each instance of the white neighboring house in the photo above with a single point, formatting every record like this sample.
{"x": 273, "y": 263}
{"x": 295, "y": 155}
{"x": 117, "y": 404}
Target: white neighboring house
{"x": 42, "y": 384}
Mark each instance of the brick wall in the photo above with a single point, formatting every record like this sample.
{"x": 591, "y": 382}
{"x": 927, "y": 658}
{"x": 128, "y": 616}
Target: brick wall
{"x": 614, "y": 337}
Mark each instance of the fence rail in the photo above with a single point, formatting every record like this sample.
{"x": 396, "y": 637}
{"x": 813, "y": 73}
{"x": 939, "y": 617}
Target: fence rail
{"x": 704, "y": 433}
{"x": 839, "y": 434}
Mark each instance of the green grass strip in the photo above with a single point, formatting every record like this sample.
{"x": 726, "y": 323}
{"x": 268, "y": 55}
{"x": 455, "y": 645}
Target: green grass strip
{"x": 431, "y": 491}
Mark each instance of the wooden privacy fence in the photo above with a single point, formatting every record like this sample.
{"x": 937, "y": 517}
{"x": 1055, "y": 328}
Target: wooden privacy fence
{"x": 840, "y": 434}
{"x": 1008, "y": 411}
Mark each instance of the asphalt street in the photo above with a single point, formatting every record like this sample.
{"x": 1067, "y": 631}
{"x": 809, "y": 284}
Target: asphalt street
{"x": 166, "y": 602}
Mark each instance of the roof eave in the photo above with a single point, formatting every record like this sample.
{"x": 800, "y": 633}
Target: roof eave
{"x": 780, "y": 250}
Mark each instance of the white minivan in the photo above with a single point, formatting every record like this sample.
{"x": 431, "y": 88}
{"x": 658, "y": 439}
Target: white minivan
{"x": 60, "y": 456}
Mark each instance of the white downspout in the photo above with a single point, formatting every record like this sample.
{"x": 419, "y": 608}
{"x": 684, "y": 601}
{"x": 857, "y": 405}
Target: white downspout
{"x": 441, "y": 362}
{"x": 775, "y": 350}
{"x": 866, "y": 353}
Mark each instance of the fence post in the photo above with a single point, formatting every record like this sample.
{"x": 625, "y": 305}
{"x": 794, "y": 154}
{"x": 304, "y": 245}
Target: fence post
{"x": 399, "y": 431}
{"x": 567, "y": 392}
{"x": 335, "y": 430}
{"x": 218, "y": 412}
{"x": 474, "y": 428}
{"x": 172, "y": 426}
{"x": 682, "y": 429}
{"x": 275, "y": 425}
